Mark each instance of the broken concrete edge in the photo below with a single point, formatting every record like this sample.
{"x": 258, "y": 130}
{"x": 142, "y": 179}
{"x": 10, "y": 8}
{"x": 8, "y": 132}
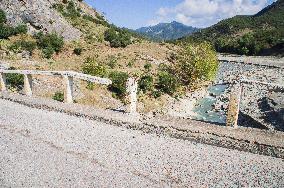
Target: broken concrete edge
{"x": 243, "y": 139}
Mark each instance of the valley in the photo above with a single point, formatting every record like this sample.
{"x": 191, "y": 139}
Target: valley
{"x": 119, "y": 106}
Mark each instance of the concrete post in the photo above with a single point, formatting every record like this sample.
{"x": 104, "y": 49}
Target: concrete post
{"x": 2, "y": 82}
{"x": 28, "y": 85}
{"x": 132, "y": 87}
{"x": 234, "y": 106}
{"x": 68, "y": 92}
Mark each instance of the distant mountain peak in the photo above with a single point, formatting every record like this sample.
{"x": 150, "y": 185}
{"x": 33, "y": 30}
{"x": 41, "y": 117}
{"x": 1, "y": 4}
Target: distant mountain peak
{"x": 167, "y": 31}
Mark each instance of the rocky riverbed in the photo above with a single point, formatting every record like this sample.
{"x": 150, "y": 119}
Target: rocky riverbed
{"x": 260, "y": 106}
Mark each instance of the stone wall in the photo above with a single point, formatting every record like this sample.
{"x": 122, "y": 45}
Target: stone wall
{"x": 39, "y": 16}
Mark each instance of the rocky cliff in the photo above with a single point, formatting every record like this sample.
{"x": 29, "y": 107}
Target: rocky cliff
{"x": 40, "y": 16}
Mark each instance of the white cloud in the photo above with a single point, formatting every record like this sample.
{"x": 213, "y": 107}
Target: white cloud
{"x": 203, "y": 13}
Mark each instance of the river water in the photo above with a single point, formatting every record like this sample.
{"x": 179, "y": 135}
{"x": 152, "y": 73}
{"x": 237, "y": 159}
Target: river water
{"x": 204, "y": 108}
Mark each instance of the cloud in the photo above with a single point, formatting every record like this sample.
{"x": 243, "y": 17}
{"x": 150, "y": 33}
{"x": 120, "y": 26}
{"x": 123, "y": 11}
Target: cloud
{"x": 203, "y": 13}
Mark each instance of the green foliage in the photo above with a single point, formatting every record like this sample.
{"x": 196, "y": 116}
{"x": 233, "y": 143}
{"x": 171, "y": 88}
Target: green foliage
{"x": 92, "y": 67}
{"x": 117, "y": 37}
{"x": 69, "y": 11}
{"x": 49, "y": 43}
{"x": 146, "y": 83}
{"x": 78, "y": 51}
{"x": 58, "y": 96}
{"x": 196, "y": 62}
{"x": 118, "y": 85}
{"x": 112, "y": 62}
{"x": 148, "y": 67}
{"x": 72, "y": 11}
{"x": 21, "y": 45}
{"x": 7, "y": 31}
{"x": 131, "y": 63}
{"x": 2, "y": 17}
{"x": 89, "y": 18}
{"x": 167, "y": 82}
{"x": 156, "y": 93}
{"x": 15, "y": 80}
{"x": 260, "y": 34}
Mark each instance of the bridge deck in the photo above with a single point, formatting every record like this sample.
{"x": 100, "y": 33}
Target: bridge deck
{"x": 42, "y": 148}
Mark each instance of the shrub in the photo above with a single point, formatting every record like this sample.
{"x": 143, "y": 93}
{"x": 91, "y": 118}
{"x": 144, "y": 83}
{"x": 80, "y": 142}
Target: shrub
{"x": 20, "y": 29}
{"x": 112, "y": 62}
{"x": 15, "y": 80}
{"x": 118, "y": 85}
{"x": 196, "y": 62}
{"x": 78, "y": 51}
{"x": 71, "y": 10}
{"x": 48, "y": 52}
{"x": 167, "y": 82}
{"x": 58, "y": 96}
{"x": 89, "y": 18}
{"x": 131, "y": 63}
{"x": 49, "y": 43}
{"x": 2, "y": 17}
{"x": 93, "y": 68}
{"x": 156, "y": 93}
{"x": 146, "y": 83}
{"x": 21, "y": 45}
{"x": 148, "y": 67}
{"x": 117, "y": 38}
{"x": 7, "y": 31}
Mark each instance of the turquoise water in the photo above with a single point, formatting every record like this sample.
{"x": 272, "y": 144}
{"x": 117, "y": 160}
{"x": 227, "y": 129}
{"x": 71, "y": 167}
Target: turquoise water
{"x": 204, "y": 109}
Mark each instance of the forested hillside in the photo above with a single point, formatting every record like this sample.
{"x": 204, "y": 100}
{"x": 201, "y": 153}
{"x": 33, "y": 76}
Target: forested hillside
{"x": 260, "y": 34}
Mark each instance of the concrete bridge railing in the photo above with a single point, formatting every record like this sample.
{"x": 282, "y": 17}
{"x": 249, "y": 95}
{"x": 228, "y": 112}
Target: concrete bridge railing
{"x": 68, "y": 77}
{"x": 235, "y": 98}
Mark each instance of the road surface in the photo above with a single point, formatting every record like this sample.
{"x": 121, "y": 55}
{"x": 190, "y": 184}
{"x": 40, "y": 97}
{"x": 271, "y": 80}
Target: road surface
{"x": 48, "y": 149}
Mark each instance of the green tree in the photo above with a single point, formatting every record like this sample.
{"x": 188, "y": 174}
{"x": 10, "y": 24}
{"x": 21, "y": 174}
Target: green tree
{"x": 196, "y": 62}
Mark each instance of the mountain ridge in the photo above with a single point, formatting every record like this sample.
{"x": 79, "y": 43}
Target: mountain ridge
{"x": 166, "y": 31}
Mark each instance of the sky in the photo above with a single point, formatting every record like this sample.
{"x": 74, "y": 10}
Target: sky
{"x": 134, "y": 14}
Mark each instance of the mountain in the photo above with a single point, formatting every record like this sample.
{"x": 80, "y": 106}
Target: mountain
{"x": 166, "y": 31}
{"x": 259, "y": 34}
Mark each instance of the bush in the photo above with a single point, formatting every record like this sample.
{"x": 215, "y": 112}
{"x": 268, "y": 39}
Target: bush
{"x": 93, "y": 68}
{"x": 118, "y": 85}
{"x": 49, "y": 43}
{"x": 78, "y": 51}
{"x": 117, "y": 38}
{"x": 167, "y": 82}
{"x": 156, "y": 93}
{"x": 196, "y": 62}
{"x": 71, "y": 10}
{"x": 58, "y": 96}
{"x": 89, "y": 18}
{"x": 112, "y": 62}
{"x": 7, "y": 31}
{"x": 146, "y": 83}
{"x": 21, "y": 45}
{"x": 2, "y": 17}
{"x": 20, "y": 29}
{"x": 15, "y": 80}
{"x": 148, "y": 67}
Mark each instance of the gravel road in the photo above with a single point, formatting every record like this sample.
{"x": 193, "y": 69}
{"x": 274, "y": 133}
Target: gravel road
{"x": 49, "y": 149}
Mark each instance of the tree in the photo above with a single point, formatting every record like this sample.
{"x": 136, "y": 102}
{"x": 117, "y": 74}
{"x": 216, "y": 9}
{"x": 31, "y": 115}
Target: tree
{"x": 196, "y": 62}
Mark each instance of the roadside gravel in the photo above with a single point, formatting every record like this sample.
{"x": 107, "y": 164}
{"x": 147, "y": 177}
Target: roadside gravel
{"x": 41, "y": 148}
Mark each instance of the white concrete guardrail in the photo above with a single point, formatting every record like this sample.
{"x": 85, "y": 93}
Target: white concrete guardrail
{"x": 235, "y": 98}
{"x": 68, "y": 77}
